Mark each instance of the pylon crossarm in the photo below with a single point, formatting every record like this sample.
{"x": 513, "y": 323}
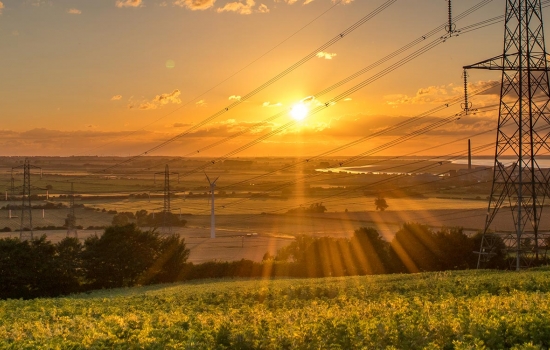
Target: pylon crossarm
{"x": 538, "y": 63}
{"x": 495, "y": 63}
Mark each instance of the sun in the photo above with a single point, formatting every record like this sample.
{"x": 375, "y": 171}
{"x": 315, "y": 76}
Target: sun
{"x": 299, "y": 112}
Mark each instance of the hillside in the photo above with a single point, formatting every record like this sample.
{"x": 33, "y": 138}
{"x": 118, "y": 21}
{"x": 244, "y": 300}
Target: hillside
{"x": 460, "y": 310}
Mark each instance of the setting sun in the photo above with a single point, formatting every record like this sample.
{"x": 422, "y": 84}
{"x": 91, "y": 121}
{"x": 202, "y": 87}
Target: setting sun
{"x": 299, "y": 112}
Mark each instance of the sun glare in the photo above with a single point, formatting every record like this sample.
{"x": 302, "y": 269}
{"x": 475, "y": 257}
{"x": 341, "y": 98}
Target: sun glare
{"x": 299, "y": 112}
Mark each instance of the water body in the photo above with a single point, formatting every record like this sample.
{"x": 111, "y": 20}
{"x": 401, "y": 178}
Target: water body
{"x": 543, "y": 163}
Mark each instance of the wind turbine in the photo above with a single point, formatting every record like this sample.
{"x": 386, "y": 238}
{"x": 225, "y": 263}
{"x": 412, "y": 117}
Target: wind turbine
{"x": 212, "y": 213}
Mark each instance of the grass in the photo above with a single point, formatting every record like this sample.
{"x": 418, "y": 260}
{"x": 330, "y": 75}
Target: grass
{"x": 450, "y": 310}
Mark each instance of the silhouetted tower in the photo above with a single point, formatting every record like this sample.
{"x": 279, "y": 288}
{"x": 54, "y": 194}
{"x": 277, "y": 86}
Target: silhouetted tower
{"x": 469, "y": 155}
{"x": 167, "y": 210}
{"x": 71, "y": 217}
{"x": 212, "y": 208}
{"x": 26, "y": 206}
{"x": 519, "y": 182}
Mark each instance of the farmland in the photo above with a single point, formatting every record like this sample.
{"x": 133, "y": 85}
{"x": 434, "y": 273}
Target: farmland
{"x": 248, "y": 201}
{"x": 460, "y": 310}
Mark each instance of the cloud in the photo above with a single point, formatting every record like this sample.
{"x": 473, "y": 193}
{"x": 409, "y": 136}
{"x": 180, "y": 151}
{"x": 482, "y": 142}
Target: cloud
{"x": 270, "y": 105}
{"x": 179, "y": 125}
{"x": 263, "y": 9}
{"x": 290, "y": 2}
{"x": 128, "y": 3}
{"x": 74, "y": 11}
{"x": 159, "y": 101}
{"x": 39, "y": 3}
{"x": 116, "y": 98}
{"x": 195, "y": 4}
{"x": 326, "y": 55}
{"x": 1, "y": 7}
{"x": 201, "y": 103}
{"x": 243, "y": 8}
{"x": 234, "y": 98}
{"x": 438, "y": 94}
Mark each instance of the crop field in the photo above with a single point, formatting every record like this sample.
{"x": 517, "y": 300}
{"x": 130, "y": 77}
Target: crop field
{"x": 451, "y": 310}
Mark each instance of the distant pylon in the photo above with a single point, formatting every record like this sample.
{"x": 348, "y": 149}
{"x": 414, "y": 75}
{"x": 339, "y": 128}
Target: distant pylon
{"x": 26, "y": 206}
{"x": 167, "y": 210}
{"x": 71, "y": 217}
{"x": 519, "y": 181}
{"x": 212, "y": 208}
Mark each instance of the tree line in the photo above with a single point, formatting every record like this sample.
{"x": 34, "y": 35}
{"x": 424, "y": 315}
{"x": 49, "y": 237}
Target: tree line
{"x": 125, "y": 256}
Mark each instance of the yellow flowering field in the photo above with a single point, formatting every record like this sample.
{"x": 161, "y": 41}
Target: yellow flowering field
{"x": 448, "y": 310}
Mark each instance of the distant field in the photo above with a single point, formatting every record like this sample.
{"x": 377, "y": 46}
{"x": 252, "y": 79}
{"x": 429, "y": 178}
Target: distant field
{"x": 451, "y": 310}
{"x": 274, "y": 231}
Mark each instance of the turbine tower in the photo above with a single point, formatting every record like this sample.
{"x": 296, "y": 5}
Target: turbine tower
{"x": 212, "y": 212}
{"x": 520, "y": 184}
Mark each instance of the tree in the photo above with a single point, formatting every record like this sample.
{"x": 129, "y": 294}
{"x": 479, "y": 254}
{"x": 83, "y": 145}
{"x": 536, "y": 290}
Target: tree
{"x": 120, "y": 219}
{"x": 380, "y": 203}
{"x": 68, "y": 260}
{"x": 125, "y": 256}
{"x": 170, "y": 262}
{"x": 370, "y": 251}
{"x": 455, "y": 249}
{"x": 415, "y": 247}
{"x": 119, "y": 256}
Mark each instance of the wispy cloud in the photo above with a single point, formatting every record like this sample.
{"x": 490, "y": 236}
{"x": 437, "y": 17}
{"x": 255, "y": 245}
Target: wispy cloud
{"x": 74, "y": 11}
{"x": 263, "y": 8}
{"x": 159, "y": 101}
{"x": 269, "y": 104}
{"x": 243, "y": 8}
{"x": 1, "y": 7}
{"x": 195, "y": 4}
{"x": 441, "y": 93}
{"x": 201, "y": 103}
{"x": 326, "y": 55}
{"x": 179, "y": 125}
{"x": 116, "y": 98}
{"x": 128, "y": 3}
{"x": 234, "y": 98}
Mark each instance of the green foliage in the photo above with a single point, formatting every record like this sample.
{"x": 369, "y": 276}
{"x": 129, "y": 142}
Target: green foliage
{"x": 312, "y": 209}
{"x": 125, "y": 256}
{"x": 34, "y": 268}
{"x": 450, "y": 310}
{"x": 380, "y": 203}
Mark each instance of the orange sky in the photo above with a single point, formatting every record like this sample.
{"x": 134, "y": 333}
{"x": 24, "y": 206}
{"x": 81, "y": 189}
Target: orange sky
{"x": 118, "y": 77}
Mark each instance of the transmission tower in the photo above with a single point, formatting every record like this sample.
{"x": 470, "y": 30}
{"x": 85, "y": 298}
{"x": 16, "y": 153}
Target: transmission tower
{"x": 167, "y": 211}
{"x": 71, "y": 217}
{"x": 519, "y": 182}
{"x": 26, "y": 206}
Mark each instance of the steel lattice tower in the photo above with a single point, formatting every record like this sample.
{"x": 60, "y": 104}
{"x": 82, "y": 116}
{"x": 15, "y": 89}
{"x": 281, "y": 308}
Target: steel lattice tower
{"x": 26, "y": 206}
{"x": 167, "y": 210}
{"x": 71, "y": 217}
{"x": 519, "y": 182}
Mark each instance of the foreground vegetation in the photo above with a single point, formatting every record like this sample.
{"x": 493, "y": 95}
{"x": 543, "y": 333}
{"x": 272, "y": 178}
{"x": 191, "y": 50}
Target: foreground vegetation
{"x": 438, "y": 310}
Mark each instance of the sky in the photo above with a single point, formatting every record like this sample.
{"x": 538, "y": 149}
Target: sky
{"x": 120, "y": 77}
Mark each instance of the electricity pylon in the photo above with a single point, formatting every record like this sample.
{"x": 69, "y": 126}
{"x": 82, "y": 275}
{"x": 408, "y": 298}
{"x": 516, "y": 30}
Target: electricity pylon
{"x": 71, "y": 217}
{"x": 212, "y": 210}
{"x": 26, "y": 205}
{"x": 519, "y": 182}
{"x": 167, "y": 211}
